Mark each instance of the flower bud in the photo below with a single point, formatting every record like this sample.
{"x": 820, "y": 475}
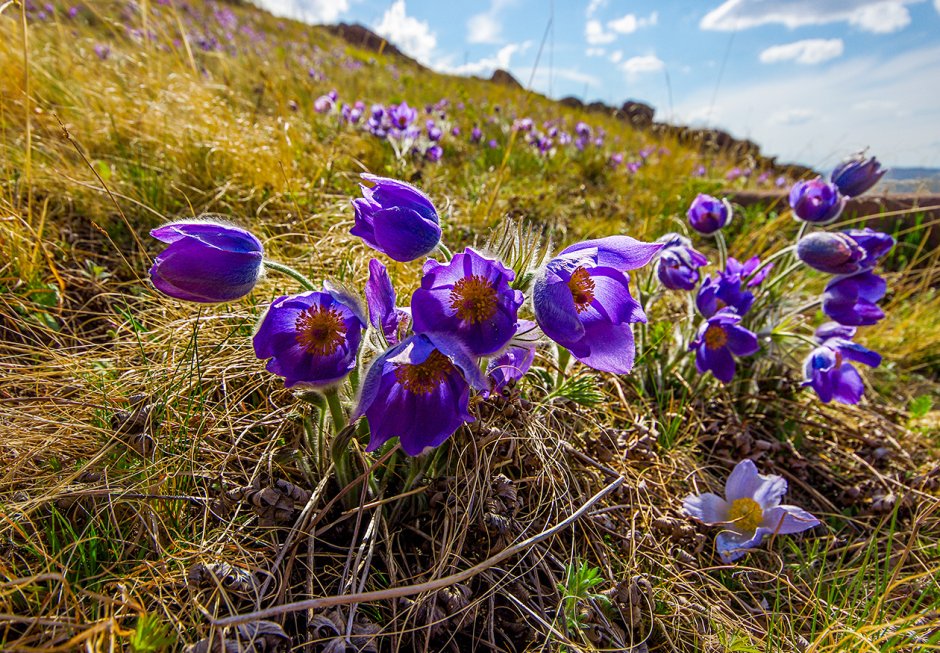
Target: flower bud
{"x": 708, "y": 214}
{"x": 857, "y": 174}
{"x": 816, "y": 201}
{"x": 396, "y": 219}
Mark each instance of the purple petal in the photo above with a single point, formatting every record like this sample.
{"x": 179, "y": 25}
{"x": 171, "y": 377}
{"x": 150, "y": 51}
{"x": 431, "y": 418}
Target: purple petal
{"x": 786, "y": 520}
{"x": 405, "y": 235}
{"x": 555, "y": 311}
{"x": 620, "y": 252}
{"x": 708, "y": 508}
{"x": 732, "y": 545}
{"x": 848, "y": 387}
{"x": 610, "y": 347}
{"x": 741, "y": 342}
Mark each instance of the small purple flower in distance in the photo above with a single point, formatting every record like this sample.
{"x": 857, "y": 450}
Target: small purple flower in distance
{"x": 455, "y": 131}
{"x": 678, "y": 263}
{"x": 323, "y": 104}
{"x": 582, "y": 300}
{"x": 424, "y": 375}
{"x": 469, "y": 298}
{"x": 434, "y": 153}
{"x": 719, "y": 340}
{"x": 699, "y": 171}
{"x": 102, "y": 50}
{"x": 647, "y": 151}
{"x": 384, "y": 315}
{"x": 708, "y": 214}
{"x": 826, "y": 369}
{"x": 493, "y": 144}
{"x": 544, "y": 144}
{"x": 633, "y": 167}
{"x": 616, "y": 160}
{"x": 816, "y": 201}
{"x": 206, "y": 261}
{"x": 763, "y": 178}
{"x": 851, "y": 300}
{"x": 476, "y": 135}
{"x": 750, "y": 511}
{"x": 733, "y": 174}
{"x": 857, "y": 174}
{"x": 515, "y": 361}
{"x": 583, "y": 130}
{"x": 312, "y": 338}
{"x": 845, "y": 252}
{"x": 523, "y": 125}
{"x": 434, "y": 132}
{"x": 402, "y": 115}
{"x": 780, "y": 182}
{"x": 333, "y": 95}
{"x": 73, "y": 11}
{"x": 396, "y": 219}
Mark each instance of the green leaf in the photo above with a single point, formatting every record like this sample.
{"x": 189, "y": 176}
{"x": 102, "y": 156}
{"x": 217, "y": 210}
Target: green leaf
{"x": 920, "y": 406}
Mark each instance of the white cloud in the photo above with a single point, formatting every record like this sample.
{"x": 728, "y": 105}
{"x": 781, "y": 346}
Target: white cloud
{"x": 595, "y": 52}
{"x": 791, "y": 116}
{"x": 635, "y": 67}
{"x": 483, "y": 28}
{"x": 630, "y": 23}
{"x": 878, "y": 16}
{"x": 414, "y": 37}
{"x": 596, "y": 35}
{"x": 594, "y": 5}
{"x": 310, "y": 11}
{"x": 616, "y": 56}
{"x": 808, "y": 51}
{"x": 502, "y": 59}
{"x": 936, "y": 5}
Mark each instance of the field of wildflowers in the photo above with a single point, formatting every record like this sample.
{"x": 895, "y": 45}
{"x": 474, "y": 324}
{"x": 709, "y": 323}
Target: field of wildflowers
{"x": 310, "y": 348}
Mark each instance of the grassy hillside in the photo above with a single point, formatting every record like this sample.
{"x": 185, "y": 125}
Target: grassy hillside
{"x": 156, "y": 478}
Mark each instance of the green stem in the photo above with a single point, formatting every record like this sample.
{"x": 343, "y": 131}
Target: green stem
{"x": 563, "y": 357}
{"x": 336, "y": 409}
{"x": 448, "y": 255}
{"x": 722, "y": 249}
{"x": 291, "y": 272}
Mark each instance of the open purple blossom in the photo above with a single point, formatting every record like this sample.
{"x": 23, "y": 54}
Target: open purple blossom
{"x": 469, "y": 298}
{"x": 323, "y": 104}
{"x": 475, "y": 135}
{"x": 396, "y": 219}
{"x": 845, "y": 252}
{"x": 708, "y": 214}
{"x": 402, "y": 116}
{"x": 384, "y": 315}
{"x": 206, "y": 262}
{"x": 729, "y": 287}
{"x": 312, "y": 338}
{"x": 678, "y": 263}
{"x": 816, "y": 201}
{"x": 857, "y": 174}
{"x": 516, "y": 360}
{"x": 434, "y": 153}
{"x": 851, "y": 300}
{"x": 582, "y": 300}
{"x": 749, "y": 511}
{"x": 719, "y": 340}
{"x": 828, "y": 369}
{"x": 419, "y": 392}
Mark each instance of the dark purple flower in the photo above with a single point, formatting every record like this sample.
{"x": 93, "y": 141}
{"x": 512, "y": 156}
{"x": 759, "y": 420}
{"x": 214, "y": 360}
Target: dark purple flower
{"x": 708, "y": 214}
{"x": 323, "y": 104}
{"x": 857, "y": 174}
{"x": 102, "y": 50}
{"x": 816, "y": 201}
{"x": 524, "y": 125}
{"x": 583, "y": 130}
{"x": 729, "y": 287}
{"x": 678, "y": 263}
{"x": 582, "y": 300}
{"x": 476, "y": 135}
{"x": 469, "y": 298}
{"x": 402, "y": 115}
{"x": 513, "y": 363}
{"x": 206, "y": 262}
{"x": 418, "y": 391}
{"x": 434, "y": 153}
{"x": 455, "y": 131}
{"x": 829, "y": 330}
{"x": 312, "y": 338}
{"x": 720, "y": 339}
{"x": 492, "y": 144}
{"x": 827, "y": 369}
{"x": 384, "y": 315}
{"x": 749, "y": 511}
{"x": 396, "y": 219}
{"x": 850, "y": 300}
{"x": 73, "y": 11}
{"x": 845, "y": 252}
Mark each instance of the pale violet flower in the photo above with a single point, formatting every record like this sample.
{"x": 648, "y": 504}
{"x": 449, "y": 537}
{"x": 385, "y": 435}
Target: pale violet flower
{"x": 749, "y": 511}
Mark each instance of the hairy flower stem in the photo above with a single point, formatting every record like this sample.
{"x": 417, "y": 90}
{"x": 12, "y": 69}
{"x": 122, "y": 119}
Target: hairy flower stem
{"x": 563, "y": 357}
{"x": 336, "y": 409}
{"x": 722, "y": 249}
{"x": 448, "y": 255}
{"x": 291, "y": 272}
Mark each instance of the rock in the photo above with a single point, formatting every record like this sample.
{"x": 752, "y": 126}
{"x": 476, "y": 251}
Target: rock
{"x": 503, "y": 77}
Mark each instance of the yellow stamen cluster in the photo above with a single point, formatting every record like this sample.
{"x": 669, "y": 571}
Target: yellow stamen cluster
{"x": 582, "y": 289}
{"x": 424, "y": 378}
{"x": 474, "y": 299}
{"x": 320, "y": 330}
{"x": 745, "y": 514}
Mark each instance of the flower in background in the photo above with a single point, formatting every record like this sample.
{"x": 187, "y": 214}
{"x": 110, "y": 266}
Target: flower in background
{"x": 708, "y": 214}
{"x": 312, "y": 338}
{"x": 102, "y": 50}
{"x": 582, "y": 300}
{"x": 750, "y": 511}
{"x": 816, "y": 201}
{"x": 396, "y": 219}
{"x": 719, "y": 340}
{"x": 384, "y": 315}
{"x": 434, "y": 153}
{"x": 476, "y": 135}
{"x": 729, "y": 287}
{"x": 402, "y": 116}
{"x": 492, "y": 144}
{"x": 418, "y": 391}
{"x": 857, "y": 174}
{"x": 513, "y": 363}
{"x": 851, "y": 300}
{"x": 323, "y": 104}
{"x": 469, "y": 298}
{"x": 733, "y": 174}
{"x": 699, "y": 171}
{"x": 827, "y": 369}
{"x": 678, "y": 263}
{"x": 207, "y": 262}
{"x": 845, "y": 252}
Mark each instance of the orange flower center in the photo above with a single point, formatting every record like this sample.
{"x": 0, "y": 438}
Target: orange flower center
{"x": 582, "y": 289}
{"x": 320, "y": 331}
{"x": 474, "y": 298}
{"x": 746, "y": 514}
{"x": 425, "y": 377}
{"x": 715, "y": 337}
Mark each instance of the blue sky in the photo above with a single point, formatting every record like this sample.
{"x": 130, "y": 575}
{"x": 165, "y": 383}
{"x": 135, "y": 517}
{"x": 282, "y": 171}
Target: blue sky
{"x": 810, "y": 80}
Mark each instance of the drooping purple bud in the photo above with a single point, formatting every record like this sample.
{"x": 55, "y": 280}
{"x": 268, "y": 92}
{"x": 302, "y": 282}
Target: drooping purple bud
{"x": 845, "y": 252}
{"x": 708, "y": 214}
{"x": 857, "y": 174}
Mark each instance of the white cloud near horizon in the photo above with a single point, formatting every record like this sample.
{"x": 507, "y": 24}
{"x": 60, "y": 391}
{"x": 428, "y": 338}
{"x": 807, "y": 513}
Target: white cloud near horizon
{"x": 875, "y": 16}
{"x": 502, "y": 59}
{"x": 309, "y": 11}
{"x": 486, "y": 27}
{"x": 414, "y": 37}
{"x": 807, "y": 51}
{"x": 636, "y": 67}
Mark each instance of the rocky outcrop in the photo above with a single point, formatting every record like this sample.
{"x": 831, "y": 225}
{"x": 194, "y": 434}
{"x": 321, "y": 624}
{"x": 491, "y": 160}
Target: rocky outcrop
{"x": 362, "y": 37}
{"x": 505, "y": 78}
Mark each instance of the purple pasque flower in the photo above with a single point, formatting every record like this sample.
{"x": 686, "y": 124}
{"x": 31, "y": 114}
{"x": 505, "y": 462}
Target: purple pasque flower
{"x": 312, "y": 338}
{"x": 719, "y": 340}
{"x": 816, "y": 201}
{"x": 708, "y": 214}
{"x": 856, "y": 174}
{"x": 469, "y": 298}
{"x": 434, "y": 153}
{"x": 749, "y": 511}
{"x": 678, "y": 263}
{"x": 827, "y": 369}
{"x": 102, "y": 50}
{"x": 206, "y": 261}
{"x": 396, "y": 219}
{"x": 323, "y": 104}
{"x": 729, "y": 287}
{"x": 845, "y": 252}
{"x": 418, "y": 391}
{"x": 582, "y": 300}
{"x": 402, "y": 116}
{"x": 475, "y": 135}
{"x": 516, "y": 360}
{"x": 384, "y": 315}
{"x": 733, "y": 174}
{"x": 851, "y": 300}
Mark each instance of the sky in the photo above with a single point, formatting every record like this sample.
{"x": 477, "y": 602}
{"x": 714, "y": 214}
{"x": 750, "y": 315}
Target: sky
{"x": 811, "y": 81}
